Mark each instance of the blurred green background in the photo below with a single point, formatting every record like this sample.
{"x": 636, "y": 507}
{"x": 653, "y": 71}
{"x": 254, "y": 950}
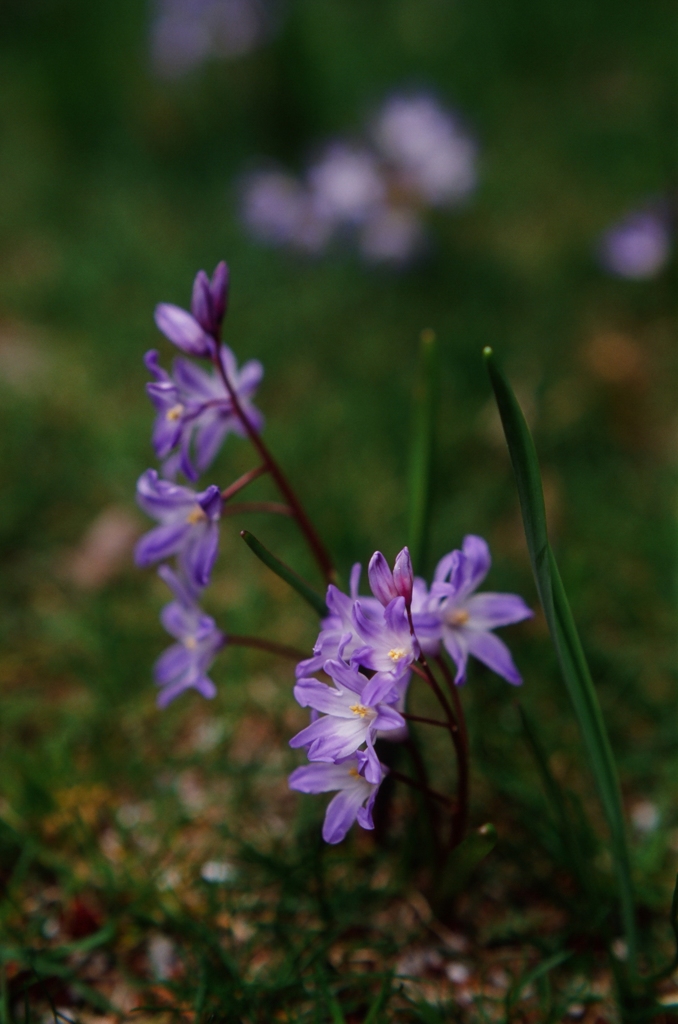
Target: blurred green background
{"x": 116, "y": 186}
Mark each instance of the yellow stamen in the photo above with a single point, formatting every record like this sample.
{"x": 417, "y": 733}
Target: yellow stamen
{"x": 359, "y": 709}
{"x": 175, "y": 413}
{"x": 397, "y": 654}
{"x": 354, "y": 772}
{"x": 191, "y": 643}
{"x": 196, "y": 515}
{"x": 458, "y": 617}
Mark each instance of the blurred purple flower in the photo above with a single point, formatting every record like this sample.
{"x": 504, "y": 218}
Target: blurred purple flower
{"x": 638, "y": 246}
{"x": 355, "y": 799}
{"x": 278, "y": 210}
{"x": 188, "y": 526}
{"x": 195, "y": 333}
{"x": 193, "y": 409}
{"x": 465, "y": 620}
{"x": 184, "y": 665}
{"x": 346, "y": 184}
{"x": 185, "y": 33}
{"x": 375, "y": 192}
{"x": 428, "y": 150}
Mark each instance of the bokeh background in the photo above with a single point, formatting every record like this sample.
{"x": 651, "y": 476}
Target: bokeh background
{"x": 121, "y": 173}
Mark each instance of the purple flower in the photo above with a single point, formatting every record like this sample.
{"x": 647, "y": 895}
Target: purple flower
{"x": 346, "y": 184}
{"x": 637, "y": 247}
{"x": 188, "y": 526}
{"x": 195, "y": 332}
{"x": 184, "y": 665}
{"x": 209, "y": 300}
{"x": 429, "y": 152}
{"x": 388, "y": 645}
{"x": 386, "y": 584}
{"x": 278, "y": 210}
{"x": 465, "y": 620}
{"x": 355, "y": 799}
{"x": 338, "y": 638}
{"x": 184, "y": 33}
{"x": 194, "y": 409}
{"x": 353, "y": 711}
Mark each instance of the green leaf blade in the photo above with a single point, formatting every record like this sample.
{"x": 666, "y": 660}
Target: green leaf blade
{"x": 285, "y": 573}
{"x": 571, "y": 658}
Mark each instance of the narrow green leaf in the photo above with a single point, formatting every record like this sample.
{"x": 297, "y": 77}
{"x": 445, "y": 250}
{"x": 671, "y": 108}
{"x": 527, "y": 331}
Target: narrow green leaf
{"x": 565, "y": 637}
{"x": 557, "y": 801}
{"x": 379, "y": 1003}
{"x": 464, "y": 859}
{"x": 285, "y": 573}
{"x": 421, "y": 452}
{"x": 539, "y": 971}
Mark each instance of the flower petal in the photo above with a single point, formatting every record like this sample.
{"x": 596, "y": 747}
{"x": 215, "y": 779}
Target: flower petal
{"x": 160, "y": 543}
{"x": 494, "y": 653}
{"x": 381, "y": 578}
{"x": 182, "y": 329}
{"x": 319, "y": 777}
{"x": 454, "y": 641}
{"x": 341, "y": 812}
{"x": 488, "y": 611}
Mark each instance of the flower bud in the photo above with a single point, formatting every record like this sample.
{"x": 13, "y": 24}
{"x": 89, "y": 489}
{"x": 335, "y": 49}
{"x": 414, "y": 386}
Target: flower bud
{"x": 201, "y": 302}
{"x": 381, "y": 579}
{"x": 182, "y": 329}
{"x": 219, "y": 292}
{"x": 403, "y": 577}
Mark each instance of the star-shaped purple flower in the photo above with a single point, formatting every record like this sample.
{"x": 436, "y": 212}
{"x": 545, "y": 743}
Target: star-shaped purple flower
{"x": 188, "y": 526}
{"x": 194, "y": 411}
{"x": 184, "y": 665}
{"x": 353, "y": 711}
{"x": 465, "y": 620}
{"x": 355, "y": 799}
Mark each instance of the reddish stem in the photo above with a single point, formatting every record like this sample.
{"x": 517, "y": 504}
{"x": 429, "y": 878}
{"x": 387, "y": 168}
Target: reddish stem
{"x": 271, "y": 646}
{"x": 462, "y": 753}
{"x": 257, "y": 506}
{"x": 243, "y": 481}
{"x": 460, "y": 813}
{"x": 305, "y": 525}
{"x": 433, "y": 793}
{"x": 424, "y": 721}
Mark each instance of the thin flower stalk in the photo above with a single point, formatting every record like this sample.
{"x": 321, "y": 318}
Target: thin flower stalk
{"x": 317, "y": 547}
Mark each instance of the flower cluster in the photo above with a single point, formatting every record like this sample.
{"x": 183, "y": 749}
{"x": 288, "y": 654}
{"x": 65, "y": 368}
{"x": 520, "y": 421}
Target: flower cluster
{"x": 416, "y": 155}
{"x": 355, "y": 682}
{"x": 185, "y": 33}
{"x": 367, "y": 646}
{"x": 196, "y": 410}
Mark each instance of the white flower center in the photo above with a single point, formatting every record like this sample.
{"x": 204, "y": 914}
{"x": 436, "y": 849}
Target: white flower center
{"x": 359, "y": 709}
{"x": 196, "y": 515}
{"x": 175, "y": 413}
{"x": 397, "y": 653}
{"x": 190, "y": 643}
{"x": 457, "y": 617}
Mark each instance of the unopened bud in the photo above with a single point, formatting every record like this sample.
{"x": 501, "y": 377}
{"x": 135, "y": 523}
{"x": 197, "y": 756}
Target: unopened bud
{"x": 201, "y": 302}
{"x": 403, "y": 577}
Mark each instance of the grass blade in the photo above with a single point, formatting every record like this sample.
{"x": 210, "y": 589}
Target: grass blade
{"x": 464, "y": 859}
{"x": 285, "y": 573}
{"x": 565, "y": 637}
{"x": 421, "y": 452}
